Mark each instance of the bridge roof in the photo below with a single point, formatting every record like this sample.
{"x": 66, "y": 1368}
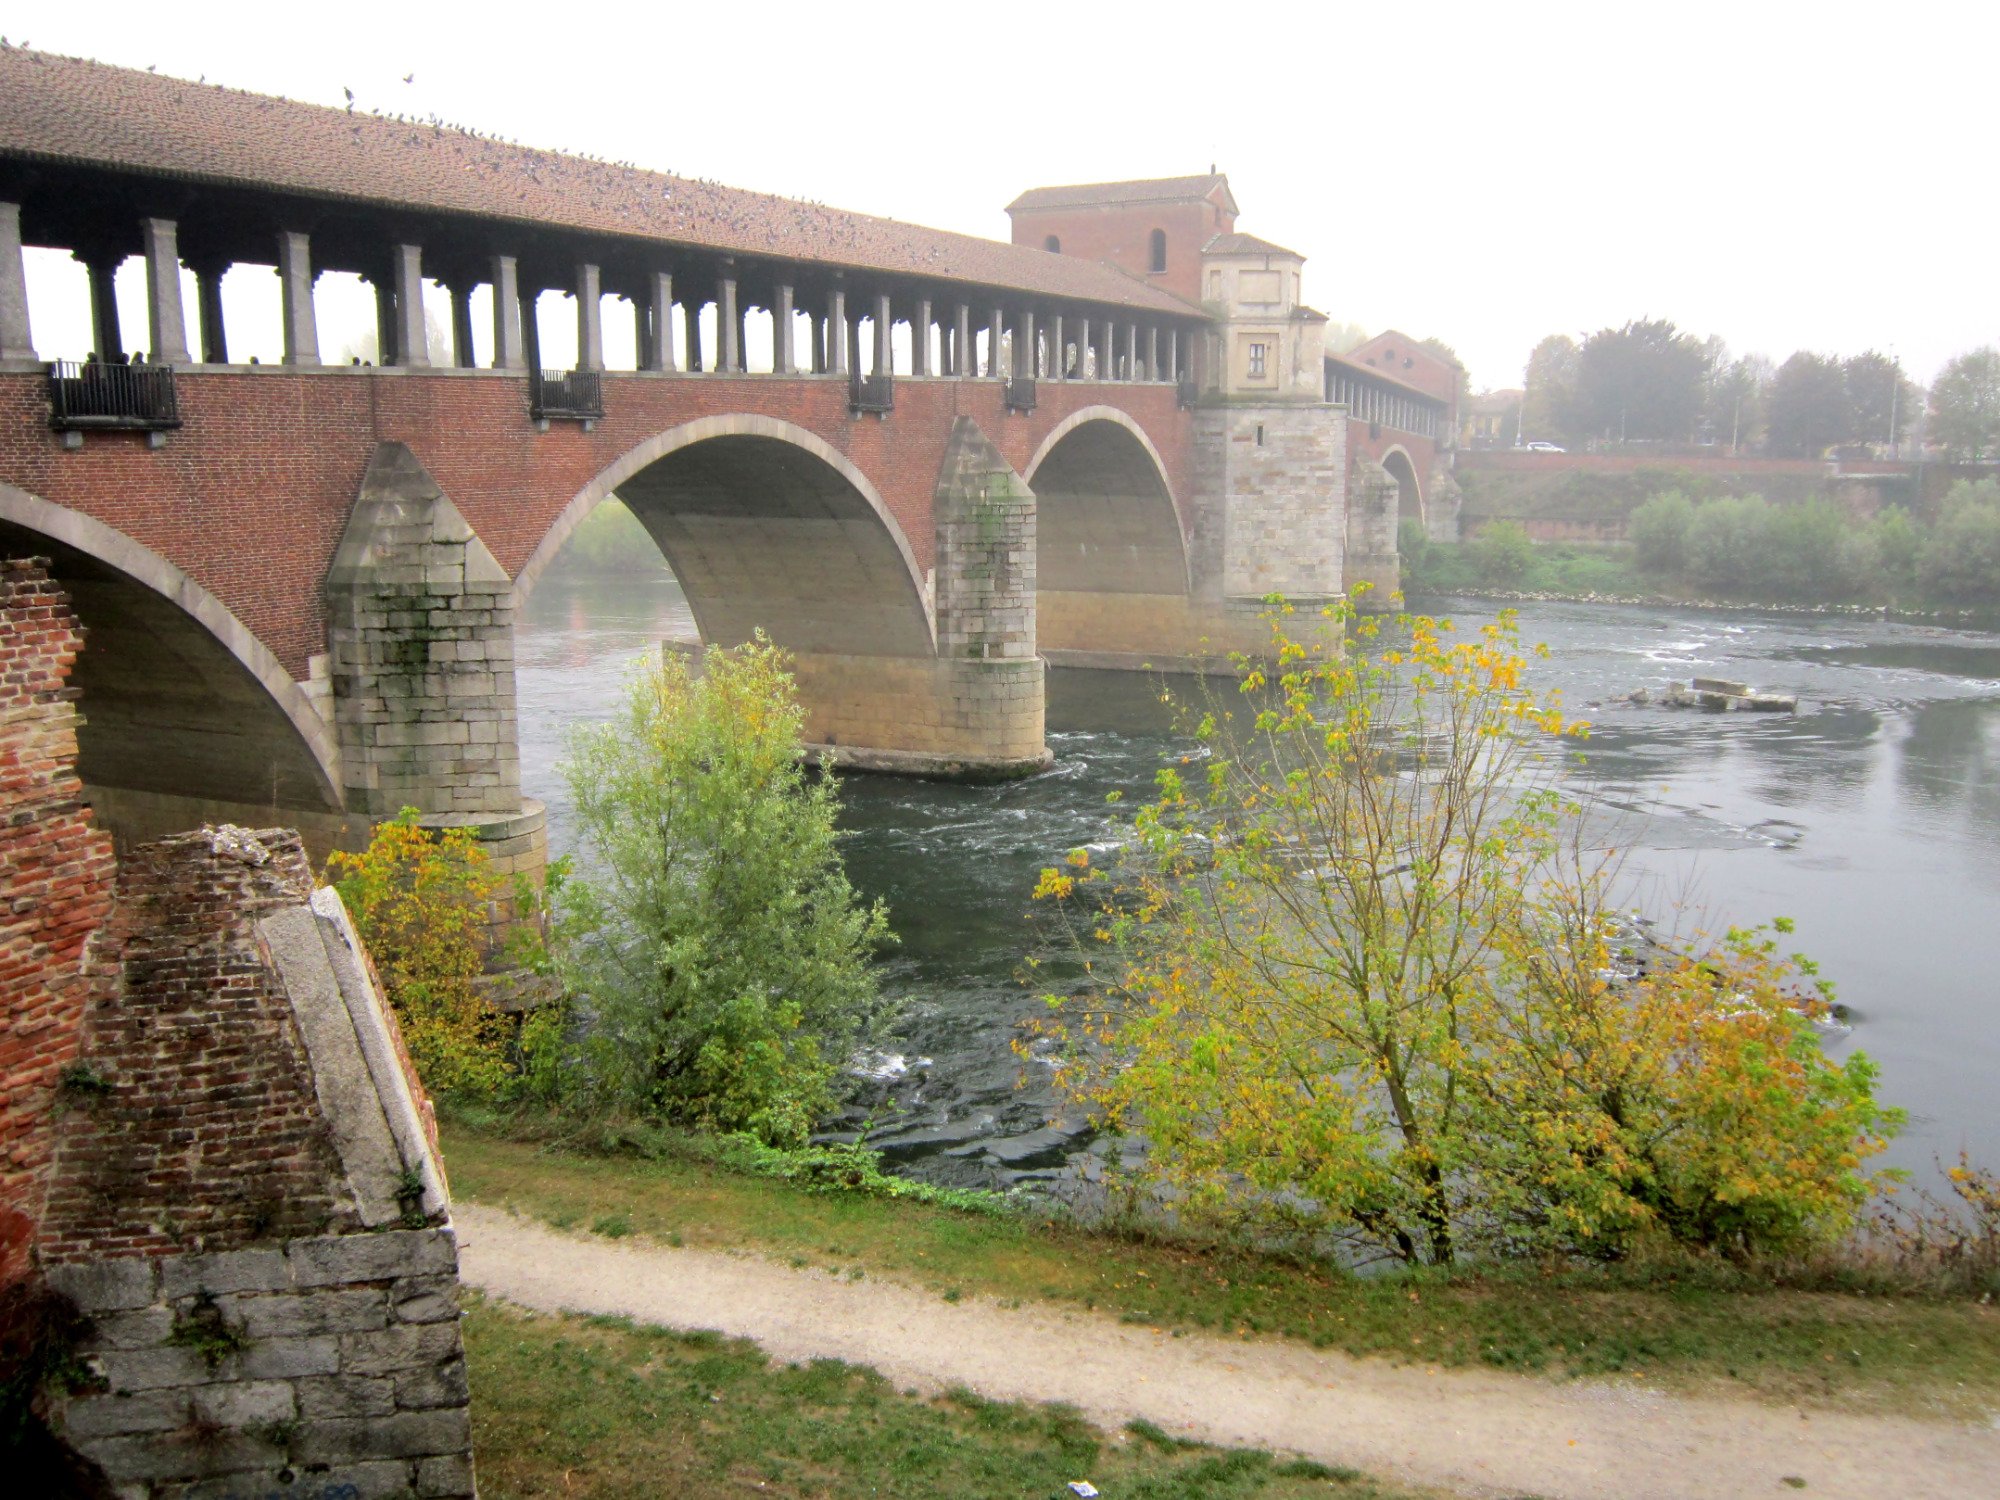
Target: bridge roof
{"x": 1382, "y": 377}
{"x": 76, "y": 111}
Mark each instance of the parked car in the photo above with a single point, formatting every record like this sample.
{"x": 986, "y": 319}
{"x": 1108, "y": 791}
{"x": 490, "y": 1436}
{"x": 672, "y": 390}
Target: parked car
{"x": 1543, "y": 448}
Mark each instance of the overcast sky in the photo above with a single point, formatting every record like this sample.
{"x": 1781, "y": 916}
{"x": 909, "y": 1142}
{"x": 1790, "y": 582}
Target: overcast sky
{"x": 1786, "y": 175}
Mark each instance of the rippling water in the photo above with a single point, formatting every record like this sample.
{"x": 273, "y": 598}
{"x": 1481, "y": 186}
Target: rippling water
{"x": 1872, "y": 818}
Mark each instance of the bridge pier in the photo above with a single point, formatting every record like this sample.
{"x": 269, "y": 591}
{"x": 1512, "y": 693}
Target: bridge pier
{"x": 421, "y": 634}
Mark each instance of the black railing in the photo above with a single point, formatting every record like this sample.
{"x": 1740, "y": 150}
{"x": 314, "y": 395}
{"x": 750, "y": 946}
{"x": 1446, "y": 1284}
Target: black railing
{"x": 876, "y": 393}
{"x": 577, "y": 395}
{"x": 94, "y": 394}
{"x": 1020, "y": 393}
{"x": 1187, "y": 395}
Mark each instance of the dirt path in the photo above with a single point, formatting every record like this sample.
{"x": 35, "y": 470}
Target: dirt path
{"x": 1482, "y": 1433}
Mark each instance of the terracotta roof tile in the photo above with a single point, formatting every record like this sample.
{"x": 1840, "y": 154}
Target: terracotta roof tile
{"x": 1245, "y": 244}
{"x": 1140, "y": 190}
{"x": 89, "y": 113}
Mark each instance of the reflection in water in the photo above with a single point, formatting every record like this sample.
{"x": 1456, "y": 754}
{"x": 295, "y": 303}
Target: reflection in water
{"x": 1872, "y": 818}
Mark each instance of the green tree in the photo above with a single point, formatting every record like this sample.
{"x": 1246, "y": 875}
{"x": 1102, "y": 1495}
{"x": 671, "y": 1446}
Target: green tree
{"x": 1728, "y": 543}
{"x": 1644, "y": 381}
{"x": 1883, "y": 402}
{"x": 1735, "y": 414}
{"x": 1548, "y": 396}
{"x": 719, "y": 958}
{"x": 1960, "y": 561}
{"x": 1354, "y": 976}
{"x": 1965, "y": 406}
{"x": 1503, "y": 553}
{"x": 1809, "y": 407}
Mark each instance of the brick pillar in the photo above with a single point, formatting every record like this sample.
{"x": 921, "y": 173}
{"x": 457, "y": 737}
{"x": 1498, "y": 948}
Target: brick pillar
{"x": 420, "y": 621}
{"x": 990, "y": 674}
{"x": 56, "y": 875}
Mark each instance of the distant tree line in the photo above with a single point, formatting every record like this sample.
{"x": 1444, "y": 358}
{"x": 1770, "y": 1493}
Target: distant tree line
{"x": 1651, "y": 382}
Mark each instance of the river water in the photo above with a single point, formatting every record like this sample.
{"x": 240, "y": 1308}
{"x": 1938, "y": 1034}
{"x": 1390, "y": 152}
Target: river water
{"x": 1872, "y": 818}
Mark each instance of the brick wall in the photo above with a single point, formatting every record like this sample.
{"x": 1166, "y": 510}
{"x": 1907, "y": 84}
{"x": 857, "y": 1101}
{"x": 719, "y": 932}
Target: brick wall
{"x": 58, "y": 874}
{"x": 251, "y": 495}
{"x": 1122, "y": 235}
{"x": 199, "y": 1128}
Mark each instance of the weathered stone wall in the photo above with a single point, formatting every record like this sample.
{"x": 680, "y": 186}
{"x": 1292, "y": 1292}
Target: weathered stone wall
{"x": 1271, "y": 493}
{"x": 1374, "y": 512}
{"x": 55, "y": 889}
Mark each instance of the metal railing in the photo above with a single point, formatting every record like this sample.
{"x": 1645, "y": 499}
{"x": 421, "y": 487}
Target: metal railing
{"x": 576, "y": 395}
{"x": 1020, "y": 393}
{"x": 96, "y": 394}
{"x": 876, "y": 393}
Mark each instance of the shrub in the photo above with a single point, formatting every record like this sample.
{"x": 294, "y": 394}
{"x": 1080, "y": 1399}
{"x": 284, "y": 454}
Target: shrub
{"x": 1358, "y": 976}
{"x": 1804, "y": 555}
{"x": 421, "y": 900}
{"x": 1960, "y": 561}
{"x": 1413, "y": 546}
{"x": 1503, "y": 553}
{"x": 718, "y": 957}
{"x": 1659, "y": 529}
{"x": 1727, "y": 541}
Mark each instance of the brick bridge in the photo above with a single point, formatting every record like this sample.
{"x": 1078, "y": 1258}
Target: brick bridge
{"x": 920, "y": 461}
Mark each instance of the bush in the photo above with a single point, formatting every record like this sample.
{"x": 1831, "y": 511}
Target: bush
{"x": 718, "y": 957}
{"x": 1895, "y": 541}
{"x": 420, "y": 901}
{"x": 1413, "y": 546}
{"x": 1659, "y": 529}
{"x": 1360, "y": 977}
{"x": 1960, "y": 562}
{"x": 1726, "y": 542}
{"x": 1503, "y": 553}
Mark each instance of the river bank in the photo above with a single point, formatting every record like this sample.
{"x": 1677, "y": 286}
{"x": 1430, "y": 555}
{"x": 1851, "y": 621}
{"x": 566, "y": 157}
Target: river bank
{"x": 1957, "y": 619}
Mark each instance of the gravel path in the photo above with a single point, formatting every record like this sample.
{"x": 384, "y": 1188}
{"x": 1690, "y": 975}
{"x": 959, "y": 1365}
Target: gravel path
{"x": 1477, "y": 1432}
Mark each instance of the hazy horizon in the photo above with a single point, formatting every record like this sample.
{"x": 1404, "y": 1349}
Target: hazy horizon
{"x": 1483, "y": 179}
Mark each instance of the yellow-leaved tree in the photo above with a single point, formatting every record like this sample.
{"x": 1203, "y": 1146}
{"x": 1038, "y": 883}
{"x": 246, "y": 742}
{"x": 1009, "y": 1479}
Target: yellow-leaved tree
{"x": 1357, "y": 971}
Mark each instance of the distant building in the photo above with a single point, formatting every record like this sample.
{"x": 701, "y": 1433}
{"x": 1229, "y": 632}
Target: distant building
{"x": 1153, "y": 229}
{"x": 1492, "y": 419}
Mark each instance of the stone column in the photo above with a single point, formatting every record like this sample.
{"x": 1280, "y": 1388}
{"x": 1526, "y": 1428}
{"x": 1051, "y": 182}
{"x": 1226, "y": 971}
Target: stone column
{"x": 660, "y": 353}
{"x": 642, "y": 332}
{"x": 885, "y": 351}
{"x": 836, "y": 331}
{"x": 209, "y": 332}
{"x": 1174, "y": 355}
{"x": 920, "y": 338}
{"x": 964, "y": 358}
{"x": 589, "y": 318}
{"x": 16, "y": 338}
{"x": 509, "y": 350}
{"x": 995, "y": 329}
{"x": 461, "y": 325}
{"x": 295, "y": 295}
{"x": 105, "y": 336}
{"x": 783, "y": 361}
{"x": 166, "y": 316}
{"x": 412, "y": 346}
{"x": 531, "y": 331}
{"x": 1058, "y": 365}
{"x": 691, "y": 317}
{"x": 1153, "y": 353}
{"x": 1024, "y": 345}
{"x": 1131, "y": 351}
{"x": 729, "y": 354}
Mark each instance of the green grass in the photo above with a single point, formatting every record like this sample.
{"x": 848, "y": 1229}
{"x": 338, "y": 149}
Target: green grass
{"x": 596, "y": 1407}
{"x": 1556, "y": 568}
{"x": 1688, "y": 1330}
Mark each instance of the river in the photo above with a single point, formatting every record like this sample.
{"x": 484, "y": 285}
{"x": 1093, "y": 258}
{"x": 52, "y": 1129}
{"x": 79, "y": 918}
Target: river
{"x": 1871, "y": 818}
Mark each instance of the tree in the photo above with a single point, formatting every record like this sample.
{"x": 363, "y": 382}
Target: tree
{"x": 1548, "y": 396}
{"x": 1643, "y": 381}
{"x": 1883, "y": 402}
{"x": 1965, "y": 406}
{"x": 1356, "y": 975}
{"x": 420, "y": 900}
{"x": 1344, "y": 338}
{"x": 718, "y": 956}
{"x": 1735, "y": 412}
{"x": 1659, "y": 529}
{"x": 1809, "y": 407}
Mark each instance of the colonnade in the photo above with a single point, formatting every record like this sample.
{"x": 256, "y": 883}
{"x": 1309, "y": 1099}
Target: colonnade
{"x": 1374, "y": 401}
{"x": 849, "y": 317}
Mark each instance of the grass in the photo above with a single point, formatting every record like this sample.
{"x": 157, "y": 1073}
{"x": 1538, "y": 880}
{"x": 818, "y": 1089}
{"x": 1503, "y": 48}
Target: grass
{"x": 1554, "y": 568}
{"x": 598, "y": 1407}
{"x": 1909, "y": 1354}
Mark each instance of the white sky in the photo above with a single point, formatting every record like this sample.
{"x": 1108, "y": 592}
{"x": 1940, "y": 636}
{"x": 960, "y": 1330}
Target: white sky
{"x": 1787, "y": 175}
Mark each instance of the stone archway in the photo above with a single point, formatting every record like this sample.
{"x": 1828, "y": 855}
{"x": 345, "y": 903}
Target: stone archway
{"x": 187, "y": 715}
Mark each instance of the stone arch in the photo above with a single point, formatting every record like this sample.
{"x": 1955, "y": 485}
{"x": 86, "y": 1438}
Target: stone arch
{"x": 1399, "y": 466}
{"x": 766, "y": 525}
{"x": 1106, "y": 518}
{"x": 179, "y": 698}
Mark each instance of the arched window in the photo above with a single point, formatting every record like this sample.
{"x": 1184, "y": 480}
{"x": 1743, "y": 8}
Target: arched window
{"x": 1053, "y": 245}
{"x": 1157, "y": 245}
